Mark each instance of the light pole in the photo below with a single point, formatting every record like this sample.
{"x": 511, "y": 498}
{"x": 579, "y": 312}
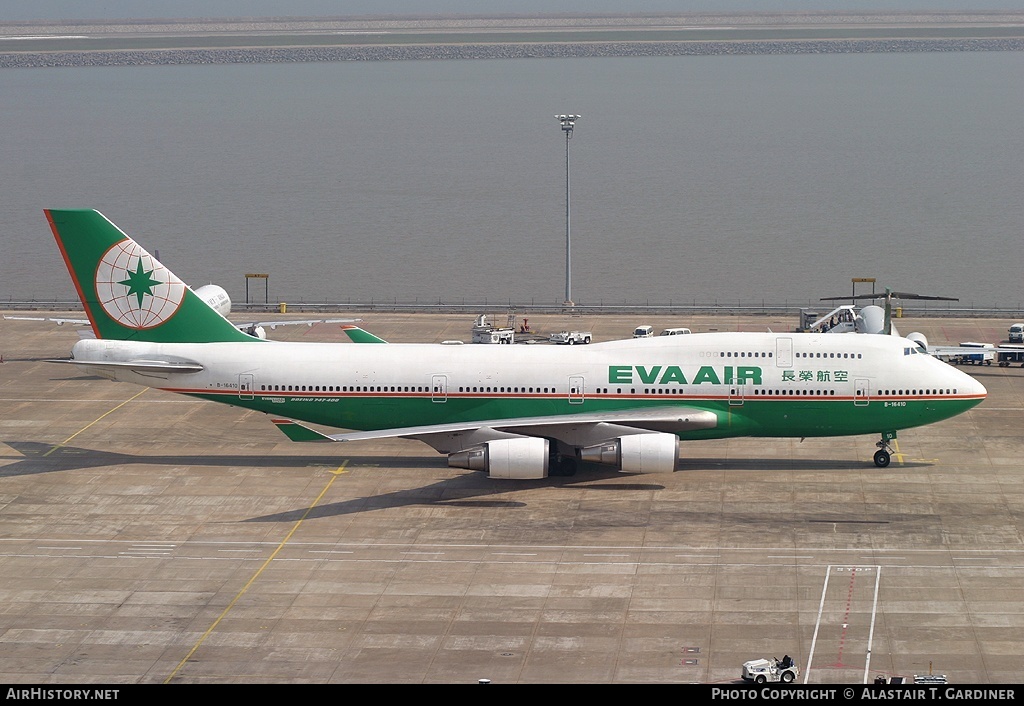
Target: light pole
{"x": 568, "y": 122}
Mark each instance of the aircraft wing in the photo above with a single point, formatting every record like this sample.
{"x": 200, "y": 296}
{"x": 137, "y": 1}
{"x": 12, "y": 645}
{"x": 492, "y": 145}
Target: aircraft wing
{"x": 253, "y": 327}
{"x": 248, "y": 327}
{"x": 594, "y": 425}
{"x": 58, "y": 321}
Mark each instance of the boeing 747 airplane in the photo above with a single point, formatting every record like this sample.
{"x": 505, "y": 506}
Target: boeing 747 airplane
{"x": 516, "y": 412}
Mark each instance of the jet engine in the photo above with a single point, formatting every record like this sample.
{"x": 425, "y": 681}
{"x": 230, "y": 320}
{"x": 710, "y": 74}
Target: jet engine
{"x": 216, "y": 298}
{"x": 219, "y": 301}
{"x": 919, "y": 340}
{"x": 871, "y": 320}
{"x": 518, "y": 458}
{"x": 637, "y": 453}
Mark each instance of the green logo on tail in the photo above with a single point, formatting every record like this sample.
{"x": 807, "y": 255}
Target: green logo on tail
{"x": 135, "y": 289}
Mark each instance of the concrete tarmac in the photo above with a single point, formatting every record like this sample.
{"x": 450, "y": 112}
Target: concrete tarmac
{"x": 150, "y": 538}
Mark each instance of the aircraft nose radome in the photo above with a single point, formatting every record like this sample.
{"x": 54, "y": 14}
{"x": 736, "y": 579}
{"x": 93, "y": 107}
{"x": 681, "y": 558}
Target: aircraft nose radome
{"x": 972, "y": 387}
{"x": 981, "y": 389}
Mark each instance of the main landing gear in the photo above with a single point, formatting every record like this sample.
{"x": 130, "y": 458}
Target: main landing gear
{"x": 562, "y": 464}
{"x": 884, "y": 453}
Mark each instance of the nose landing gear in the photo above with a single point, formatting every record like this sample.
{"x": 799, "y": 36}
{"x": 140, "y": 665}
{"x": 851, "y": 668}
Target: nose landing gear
{"x": 884, "y": 453}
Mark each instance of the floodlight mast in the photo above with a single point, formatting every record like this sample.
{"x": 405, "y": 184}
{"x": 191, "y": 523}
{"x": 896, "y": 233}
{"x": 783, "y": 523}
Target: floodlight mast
{"x": 568, "y": 122}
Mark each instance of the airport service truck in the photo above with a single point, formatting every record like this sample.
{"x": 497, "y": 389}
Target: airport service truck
{"x": 1011, "y": 354}
{"x": 764, "y": 670}
{"x": 484, "y": 332}
{"x": 1016, "y": 333}
{"x": 985, "y": 355}
{"x": 570, "y": 338}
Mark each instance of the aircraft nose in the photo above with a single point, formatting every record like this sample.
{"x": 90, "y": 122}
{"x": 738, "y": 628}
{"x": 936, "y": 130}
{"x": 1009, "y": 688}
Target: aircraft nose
{"x": 972, "y": 387}
{"x": 980, "y": 389}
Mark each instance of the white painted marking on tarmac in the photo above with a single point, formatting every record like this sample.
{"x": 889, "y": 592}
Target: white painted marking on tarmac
{"x": 513, "y": 554}
{"x": 47, "y": 36}
{"x": 695, "y": 556}
{"x": 424, "y": 553}
{"x": 609, "y": 555}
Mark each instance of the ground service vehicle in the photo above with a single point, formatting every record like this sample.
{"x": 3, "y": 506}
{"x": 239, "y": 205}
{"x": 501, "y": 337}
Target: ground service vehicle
{"x": 763, "y": 670}
{"x": 675, "y": 331}
{"x": 985, "y": 355}
{"x": 1016, "y": 333}
{"x": 483, "y": 332}
{"x": 571, "y": 337}
{"x": 1011, "y": 355}
{"x": 643, "y": 332}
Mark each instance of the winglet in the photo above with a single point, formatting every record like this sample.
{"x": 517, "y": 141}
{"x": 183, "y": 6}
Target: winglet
{"x": 298, "y": 432}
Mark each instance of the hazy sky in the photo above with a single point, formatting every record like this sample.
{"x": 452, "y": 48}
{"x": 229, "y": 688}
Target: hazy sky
{"x": 17, "y": 10}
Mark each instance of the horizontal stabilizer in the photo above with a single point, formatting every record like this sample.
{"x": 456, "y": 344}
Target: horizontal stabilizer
{"x": 359, "y": 335}
{"x": 52, "y": 319}
{"x": 142, "y": 366}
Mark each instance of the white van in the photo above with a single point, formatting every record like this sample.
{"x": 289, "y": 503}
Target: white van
{"x": 643, "y": 332}
{"x": 1016, "y": 333}
{"x": 675, "y": 331}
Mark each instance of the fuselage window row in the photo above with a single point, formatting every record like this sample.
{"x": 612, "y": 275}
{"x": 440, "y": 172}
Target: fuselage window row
{"x": 546, "y": 390}
{"x": 341, "y": 388}
{"x": 830, "y": 355}
{"x": 897, "y": 393}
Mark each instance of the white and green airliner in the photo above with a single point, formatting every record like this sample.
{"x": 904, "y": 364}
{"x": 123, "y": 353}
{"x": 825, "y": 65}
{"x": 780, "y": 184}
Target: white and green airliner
{"x": 511, "y": 411}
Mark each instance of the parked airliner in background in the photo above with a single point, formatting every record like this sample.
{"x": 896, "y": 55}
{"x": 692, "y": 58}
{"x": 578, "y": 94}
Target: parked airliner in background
{"x": 878, "y": 320}
{"x": 510, "y": 411}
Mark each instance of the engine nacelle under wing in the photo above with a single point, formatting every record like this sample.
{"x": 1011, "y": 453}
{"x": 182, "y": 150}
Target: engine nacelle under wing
{"x": 519, "y": 458}
{"x": 637, "y": 453}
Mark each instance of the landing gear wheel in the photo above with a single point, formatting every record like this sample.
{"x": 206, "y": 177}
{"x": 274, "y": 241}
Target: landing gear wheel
{"x": 565, "y": 466}
{"x": 884, "y": 453}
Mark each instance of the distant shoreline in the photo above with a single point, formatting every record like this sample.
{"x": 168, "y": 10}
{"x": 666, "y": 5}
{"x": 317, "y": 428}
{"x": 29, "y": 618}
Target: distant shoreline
{"x": 277, "y": 40}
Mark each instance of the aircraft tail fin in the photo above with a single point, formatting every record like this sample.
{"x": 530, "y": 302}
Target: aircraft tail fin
{"x": 126, "y": 292}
